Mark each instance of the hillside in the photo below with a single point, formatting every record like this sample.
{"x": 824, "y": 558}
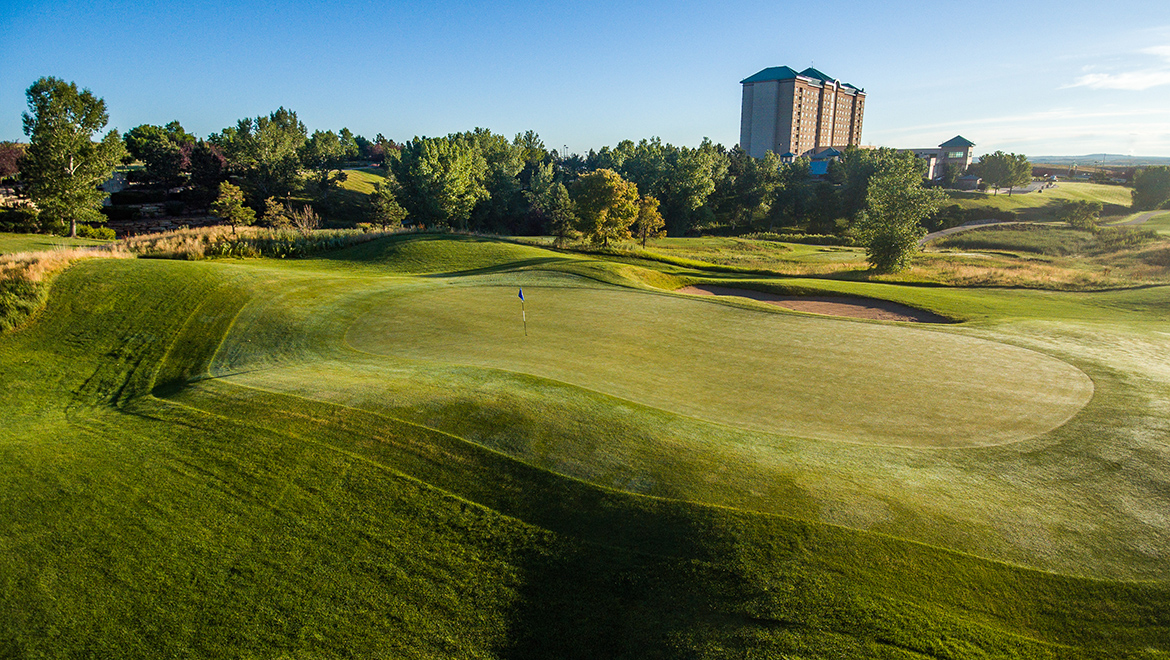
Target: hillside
{"x": 1044, "y": 206}
{"x": 362, "y": 455}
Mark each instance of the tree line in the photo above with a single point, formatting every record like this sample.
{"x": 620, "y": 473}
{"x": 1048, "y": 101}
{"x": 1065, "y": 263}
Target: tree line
{"x": 270, "y": 168}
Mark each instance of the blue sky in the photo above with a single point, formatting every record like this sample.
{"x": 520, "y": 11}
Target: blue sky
{"x": 1065, "y": 78}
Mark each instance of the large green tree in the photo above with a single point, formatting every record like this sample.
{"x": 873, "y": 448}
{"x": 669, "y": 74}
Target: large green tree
{"x": 62, "y": 165}
{"x": 1004, "y": 170}
{"x": 264, "y": 152}
{"x": 163, "y": 150}
{"x": 324, "y": 154}
{"x": 606, "y": 205}
{"x": 1151, "y": 187}
{"x": 440, "y": 179}
{"x": 890, "y": 226}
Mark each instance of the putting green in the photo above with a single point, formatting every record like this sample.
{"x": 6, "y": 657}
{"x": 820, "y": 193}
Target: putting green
{"x": 806, "y": 377}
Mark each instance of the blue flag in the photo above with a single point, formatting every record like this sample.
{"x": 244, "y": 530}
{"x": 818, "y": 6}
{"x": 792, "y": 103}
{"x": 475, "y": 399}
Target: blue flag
{"x": 521, "y": 295}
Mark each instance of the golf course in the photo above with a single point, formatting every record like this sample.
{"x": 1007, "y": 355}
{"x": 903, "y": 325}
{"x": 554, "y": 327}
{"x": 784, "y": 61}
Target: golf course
{"x": 383, "y": 450}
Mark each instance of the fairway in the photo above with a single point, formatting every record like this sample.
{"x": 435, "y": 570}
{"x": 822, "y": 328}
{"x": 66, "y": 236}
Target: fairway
{"x": 822, "y": 379}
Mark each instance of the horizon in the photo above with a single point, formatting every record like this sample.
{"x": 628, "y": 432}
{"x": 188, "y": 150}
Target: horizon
{"x": 588, "y": 77}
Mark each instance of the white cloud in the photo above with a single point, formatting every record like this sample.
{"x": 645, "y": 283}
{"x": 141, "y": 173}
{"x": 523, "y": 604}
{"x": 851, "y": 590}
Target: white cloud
{"x": 1156, "y": 75}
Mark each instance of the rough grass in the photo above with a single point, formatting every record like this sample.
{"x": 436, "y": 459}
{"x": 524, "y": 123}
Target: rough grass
{"x": 375, "y": 506}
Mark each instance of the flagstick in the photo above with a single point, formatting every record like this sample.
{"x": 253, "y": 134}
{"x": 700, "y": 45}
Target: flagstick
{"x": 524, "y": 314}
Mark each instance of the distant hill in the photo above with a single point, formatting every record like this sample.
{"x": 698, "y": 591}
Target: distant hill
{"x": 1097, "y": 160}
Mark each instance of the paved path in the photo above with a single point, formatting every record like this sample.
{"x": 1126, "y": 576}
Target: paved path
{"x": 974, "y": 224}
{"x": 1138, "y": 220}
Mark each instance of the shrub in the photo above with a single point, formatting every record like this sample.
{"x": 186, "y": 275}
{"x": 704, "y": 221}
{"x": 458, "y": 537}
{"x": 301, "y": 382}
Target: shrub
{"x": 174, "y": 208}
{"x": 95, "y": 231}
{"x": 804, "y": 239}
{"x": 20, "y": 220}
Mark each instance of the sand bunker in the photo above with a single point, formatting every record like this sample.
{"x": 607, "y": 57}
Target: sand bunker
{"x": 862, "y": 308}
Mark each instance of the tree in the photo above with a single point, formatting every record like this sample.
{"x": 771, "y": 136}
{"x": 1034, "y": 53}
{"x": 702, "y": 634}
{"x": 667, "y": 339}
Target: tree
{"x": 325, "y": 153}
{"x": 10, "y": 155}
{"x": 1081, "y": 214}
{"x": 386, "y": 209}
{"x": 441, "y": 179}
{"x": 649, "y": 222}
{"x": 791, "y": 195}
{"x": 164, "y": 150}
{"x": 264, "y": 152}
{"x": 1002, "y": 170}
{"x": 62, "y": 165}
{"x": 229, "y": 206}
{"x": 950, "y": 175}
{"x": 860, "y": 165}
{"x": 1151, "y": 187}
{"x": 890, "y": 226}
{"x": 606, "y": 204}
{"x": 561, "y": 213}
{"x": 208, "y": 168}
{"x": 276, "y": 214}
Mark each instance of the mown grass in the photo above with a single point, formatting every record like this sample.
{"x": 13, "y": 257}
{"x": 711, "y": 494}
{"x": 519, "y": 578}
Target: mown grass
{"x": 1044, "y": 206}
{"x": 16, "y": 243}
{"x": 390, "y": 506}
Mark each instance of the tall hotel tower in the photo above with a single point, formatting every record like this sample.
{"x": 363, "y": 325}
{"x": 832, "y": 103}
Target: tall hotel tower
{"x": 792, "y": 113}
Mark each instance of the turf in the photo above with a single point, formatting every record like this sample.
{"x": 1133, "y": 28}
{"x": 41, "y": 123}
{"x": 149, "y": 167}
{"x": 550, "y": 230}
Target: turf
{"x": 196, "y": 463}
{"x": 803, "y": 377}
{"x": 1044, "y": 205}
{"x": 14, "y": 243}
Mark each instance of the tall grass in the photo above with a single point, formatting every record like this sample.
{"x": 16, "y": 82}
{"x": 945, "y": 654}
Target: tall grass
{"x": 192, "y": 244}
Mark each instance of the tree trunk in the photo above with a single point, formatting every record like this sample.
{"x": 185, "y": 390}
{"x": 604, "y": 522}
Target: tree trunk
{"x": 72, "y": 227}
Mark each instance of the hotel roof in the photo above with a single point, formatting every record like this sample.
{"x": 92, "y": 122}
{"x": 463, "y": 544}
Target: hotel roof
{"x": 788, "y": 73}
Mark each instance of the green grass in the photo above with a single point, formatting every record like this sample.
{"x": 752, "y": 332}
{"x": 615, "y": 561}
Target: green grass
{"x": 1159, "y": 223}
{"x": 14, "y": 243}
{"x": 1043, "y": 206}
{"x": 196, "y": 462}
{"x": 363, "y": 180}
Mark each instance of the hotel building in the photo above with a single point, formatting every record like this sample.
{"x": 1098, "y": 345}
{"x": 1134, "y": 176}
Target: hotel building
{"x": 791, "y": 114}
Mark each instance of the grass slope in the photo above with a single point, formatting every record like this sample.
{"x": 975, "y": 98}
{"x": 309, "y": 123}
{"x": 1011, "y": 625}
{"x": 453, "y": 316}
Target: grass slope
{"x": 1041, "y": 206}
{"x": 148, "y": 510}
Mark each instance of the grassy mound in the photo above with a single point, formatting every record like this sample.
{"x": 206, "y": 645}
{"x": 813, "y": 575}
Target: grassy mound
{"x": 148, "y": 510}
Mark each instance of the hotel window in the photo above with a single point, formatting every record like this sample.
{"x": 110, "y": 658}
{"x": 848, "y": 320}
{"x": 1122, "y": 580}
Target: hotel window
{"x": 956, "y": 154}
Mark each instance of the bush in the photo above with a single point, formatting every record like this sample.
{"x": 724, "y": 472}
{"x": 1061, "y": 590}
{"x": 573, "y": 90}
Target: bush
{"x": 95, "y": 231}
{"x": 804, "y": 239}
{"x": 175, "y": 209}
{"x": 20, "y": 220}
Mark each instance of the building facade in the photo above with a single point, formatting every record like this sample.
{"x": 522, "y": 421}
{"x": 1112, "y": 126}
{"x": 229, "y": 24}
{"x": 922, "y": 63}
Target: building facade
{"x": 957, "y": 151}
{"x": 790, "y": 113}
